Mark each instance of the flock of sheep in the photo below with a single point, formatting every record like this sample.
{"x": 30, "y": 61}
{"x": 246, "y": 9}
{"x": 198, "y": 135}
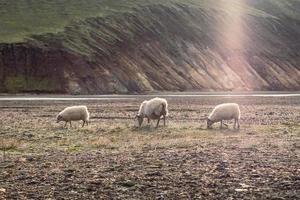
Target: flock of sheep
{"x": 155, "y": 109}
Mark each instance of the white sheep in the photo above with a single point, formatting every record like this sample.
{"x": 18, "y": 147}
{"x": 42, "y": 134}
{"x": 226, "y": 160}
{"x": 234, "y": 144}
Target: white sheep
{"x": 74, "y": 113}
{"x": 226, "y": 111}
{"x": 153, "y": 109}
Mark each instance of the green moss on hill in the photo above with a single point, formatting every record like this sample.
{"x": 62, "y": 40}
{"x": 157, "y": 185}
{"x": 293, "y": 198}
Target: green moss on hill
{"x": 21, "y": 19}
{"x": 112, "y": 46}
{"x": 29, "y": 84}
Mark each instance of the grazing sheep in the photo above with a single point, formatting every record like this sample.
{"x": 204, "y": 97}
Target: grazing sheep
{"x": 226, "y": 111}
{"x": 153, "y": 109}
{"x": 74, "y": 113}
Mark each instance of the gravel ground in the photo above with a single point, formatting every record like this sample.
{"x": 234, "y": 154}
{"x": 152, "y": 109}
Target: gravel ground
{"x": 112, "y": 159}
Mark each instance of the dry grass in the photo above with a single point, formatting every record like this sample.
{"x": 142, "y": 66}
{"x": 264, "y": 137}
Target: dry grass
{"x": 112, "y": 156}
{"x": 112, "y": 128}
{"x": 8, "y": 145}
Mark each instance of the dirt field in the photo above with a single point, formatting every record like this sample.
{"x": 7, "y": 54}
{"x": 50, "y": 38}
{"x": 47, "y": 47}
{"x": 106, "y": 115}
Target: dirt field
{"x": 112, "y": 159}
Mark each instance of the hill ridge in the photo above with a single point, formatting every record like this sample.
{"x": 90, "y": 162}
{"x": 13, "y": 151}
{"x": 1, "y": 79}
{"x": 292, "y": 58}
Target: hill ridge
{"x": 168, "y": 46}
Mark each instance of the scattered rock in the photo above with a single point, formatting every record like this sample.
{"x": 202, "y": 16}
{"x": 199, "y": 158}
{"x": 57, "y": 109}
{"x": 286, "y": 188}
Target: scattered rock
{"x": 95, "y": 181}
{"x": 220, "y": 166}
{"x": 127, "y": 183}
{"x": 28, "y": 135}
{"x": 157, "y": 173}
{"x": 29, "y": 158}
{"x": 243, "y": 185}
{"x": 241, "y": 190}
{"x": 296, "y": 145}
{"x": 22, "y": 159}
{"x": 278, "y": 198}
{"x": 285, "y": 132}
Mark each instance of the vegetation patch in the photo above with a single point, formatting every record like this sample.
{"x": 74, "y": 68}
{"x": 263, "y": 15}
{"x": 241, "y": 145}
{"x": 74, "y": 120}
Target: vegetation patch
{"x": 22, "y": 83}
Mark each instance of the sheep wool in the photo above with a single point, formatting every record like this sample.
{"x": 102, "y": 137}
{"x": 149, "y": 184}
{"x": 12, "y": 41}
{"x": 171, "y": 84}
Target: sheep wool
{"x": 153, "y": 109}
{"x": 226, "y": 111}
{"x": 74, "y": 113}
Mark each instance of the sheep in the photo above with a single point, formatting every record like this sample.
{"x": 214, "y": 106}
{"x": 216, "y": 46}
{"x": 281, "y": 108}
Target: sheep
{"x": 74, "y": 113}
{"x": 226, "y": 111}
{"x": 153, "y": 109}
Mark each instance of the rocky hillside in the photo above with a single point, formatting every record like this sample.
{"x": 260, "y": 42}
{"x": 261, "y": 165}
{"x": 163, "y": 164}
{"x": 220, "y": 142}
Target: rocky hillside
{"x": 135, "y": 46}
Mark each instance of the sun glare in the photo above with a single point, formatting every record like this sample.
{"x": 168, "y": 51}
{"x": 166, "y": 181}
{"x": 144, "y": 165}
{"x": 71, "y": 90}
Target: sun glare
{"x": 232, "y": 35}
{"x": 232, "y": 39}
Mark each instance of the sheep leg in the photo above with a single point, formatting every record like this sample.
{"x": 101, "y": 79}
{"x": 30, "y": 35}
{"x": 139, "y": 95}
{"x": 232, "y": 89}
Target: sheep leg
{"x": 222, "y": 123}
{"x": 70, "y": 124}
{"x": 234, "y": 123}
{"x": 148, "y": 120}
{"x": 83, "y": 123}
{"x": 157, "y": 122}
{"x": 65, "y": 125}
{"x": 164, "y": 120}
{"x": 238, "y": 122}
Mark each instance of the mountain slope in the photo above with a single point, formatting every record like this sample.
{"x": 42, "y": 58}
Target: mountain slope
{"x": 101, "y": 46}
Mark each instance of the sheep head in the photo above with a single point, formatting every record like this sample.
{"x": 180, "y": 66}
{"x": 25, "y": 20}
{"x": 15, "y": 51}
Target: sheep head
{"x": 59, "y": 118}
{"x": 209, "y": 123}
{"x": 140, "y": 119}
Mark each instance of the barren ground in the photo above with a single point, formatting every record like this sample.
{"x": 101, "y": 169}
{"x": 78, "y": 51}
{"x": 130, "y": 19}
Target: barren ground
{"x": 112, "y": 159}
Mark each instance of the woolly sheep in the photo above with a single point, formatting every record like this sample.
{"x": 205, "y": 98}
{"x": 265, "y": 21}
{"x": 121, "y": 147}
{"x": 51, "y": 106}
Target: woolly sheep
{"x": 74, "y": 113}
{"x": 153, "y": 109}
{"x": 226, "y": 111}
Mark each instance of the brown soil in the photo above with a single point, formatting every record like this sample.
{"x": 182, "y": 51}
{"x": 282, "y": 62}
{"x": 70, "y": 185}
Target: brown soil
{"x": 112, "y": 159}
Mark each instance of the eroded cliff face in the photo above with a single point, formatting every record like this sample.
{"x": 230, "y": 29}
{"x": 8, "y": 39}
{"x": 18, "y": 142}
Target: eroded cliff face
{"x": 26, "y": 68}
{"x": 159, "y": 47}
